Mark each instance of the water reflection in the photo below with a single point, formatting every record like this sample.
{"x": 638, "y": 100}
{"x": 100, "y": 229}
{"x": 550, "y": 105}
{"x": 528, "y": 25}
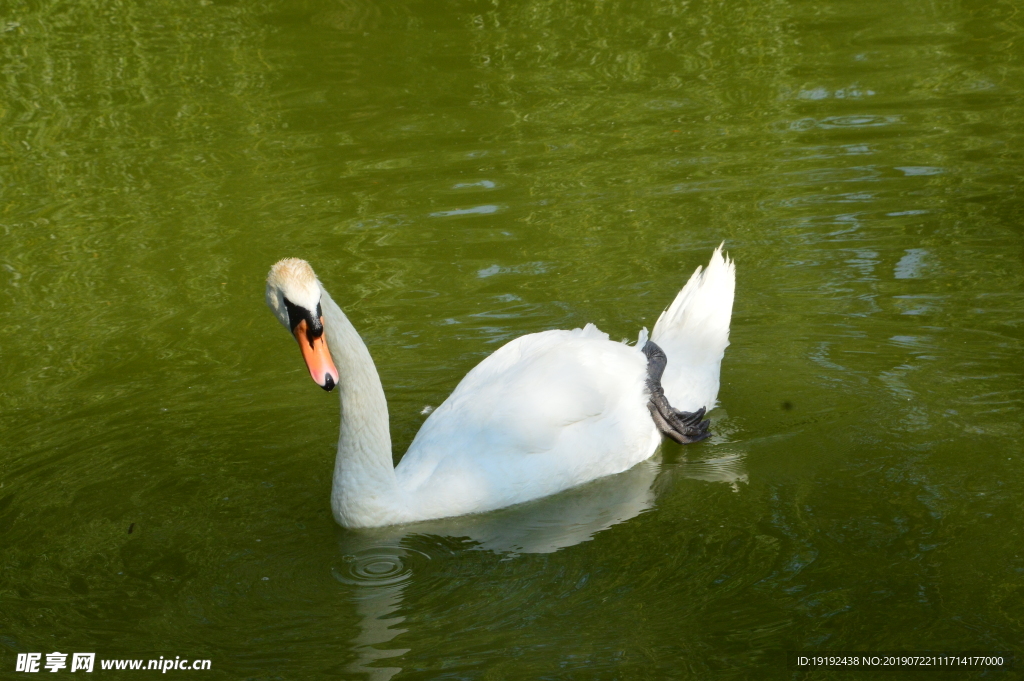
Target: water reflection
{"x": 379, "y": 564}
{"x": 379, "y": 575}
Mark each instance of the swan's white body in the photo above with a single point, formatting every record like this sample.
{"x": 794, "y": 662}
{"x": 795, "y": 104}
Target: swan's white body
{"x": 545, "y": 412}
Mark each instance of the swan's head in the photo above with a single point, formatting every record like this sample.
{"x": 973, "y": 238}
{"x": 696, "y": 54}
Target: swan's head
{"x": 293, "y": 294}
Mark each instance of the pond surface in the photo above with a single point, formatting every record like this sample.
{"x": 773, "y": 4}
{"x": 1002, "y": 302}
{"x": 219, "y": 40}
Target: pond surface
{"x": 459, "y": 174}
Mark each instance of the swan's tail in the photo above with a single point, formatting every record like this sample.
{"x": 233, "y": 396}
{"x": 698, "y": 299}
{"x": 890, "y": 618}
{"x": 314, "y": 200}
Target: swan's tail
{"x": 694, "y": 332}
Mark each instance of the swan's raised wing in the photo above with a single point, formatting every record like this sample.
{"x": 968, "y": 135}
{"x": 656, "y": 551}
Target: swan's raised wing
{"x": 543, "y": 413}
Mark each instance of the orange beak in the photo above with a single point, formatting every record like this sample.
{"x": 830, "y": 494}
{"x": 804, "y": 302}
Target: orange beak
{"x": 318, "y": 357}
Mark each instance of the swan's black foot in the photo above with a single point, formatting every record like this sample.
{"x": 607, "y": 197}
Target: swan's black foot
{"x": 682, "y": 426}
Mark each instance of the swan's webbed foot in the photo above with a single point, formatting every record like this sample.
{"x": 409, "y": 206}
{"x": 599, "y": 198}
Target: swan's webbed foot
{"x": 682, "y": 426}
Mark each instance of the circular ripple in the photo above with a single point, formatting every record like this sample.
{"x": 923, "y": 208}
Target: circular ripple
{"x": 379, "y": 566}
{"x": 862, "y": 121}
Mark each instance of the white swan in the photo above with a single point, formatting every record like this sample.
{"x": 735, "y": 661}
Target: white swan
{"x": 545, "y": 412}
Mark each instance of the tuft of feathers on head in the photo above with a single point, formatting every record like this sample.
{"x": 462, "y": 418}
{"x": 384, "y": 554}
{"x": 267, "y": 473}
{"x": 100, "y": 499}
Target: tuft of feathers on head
{"x": 294, "y": 279}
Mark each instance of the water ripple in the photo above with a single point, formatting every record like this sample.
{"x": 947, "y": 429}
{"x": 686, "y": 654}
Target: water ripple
{"x": 379, "y": 566}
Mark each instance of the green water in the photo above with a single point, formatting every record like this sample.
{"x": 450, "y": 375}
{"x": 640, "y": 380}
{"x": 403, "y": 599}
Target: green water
{"x": 460, "y": 174}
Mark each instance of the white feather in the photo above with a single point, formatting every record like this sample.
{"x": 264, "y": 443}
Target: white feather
{"x": 694, "y": 333}
{"x": 544, "y": 413}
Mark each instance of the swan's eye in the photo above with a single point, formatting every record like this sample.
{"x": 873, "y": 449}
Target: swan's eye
{"x": 297, "y": 314}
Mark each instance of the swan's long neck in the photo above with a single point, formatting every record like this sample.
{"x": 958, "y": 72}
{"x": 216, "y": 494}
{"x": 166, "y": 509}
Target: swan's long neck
{"x": 365, "y": 492}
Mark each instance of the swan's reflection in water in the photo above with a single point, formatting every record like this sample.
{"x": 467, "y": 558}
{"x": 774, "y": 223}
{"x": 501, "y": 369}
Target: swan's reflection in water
{"x": 379, "y": 564}
{"x": 379, "y": 574}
